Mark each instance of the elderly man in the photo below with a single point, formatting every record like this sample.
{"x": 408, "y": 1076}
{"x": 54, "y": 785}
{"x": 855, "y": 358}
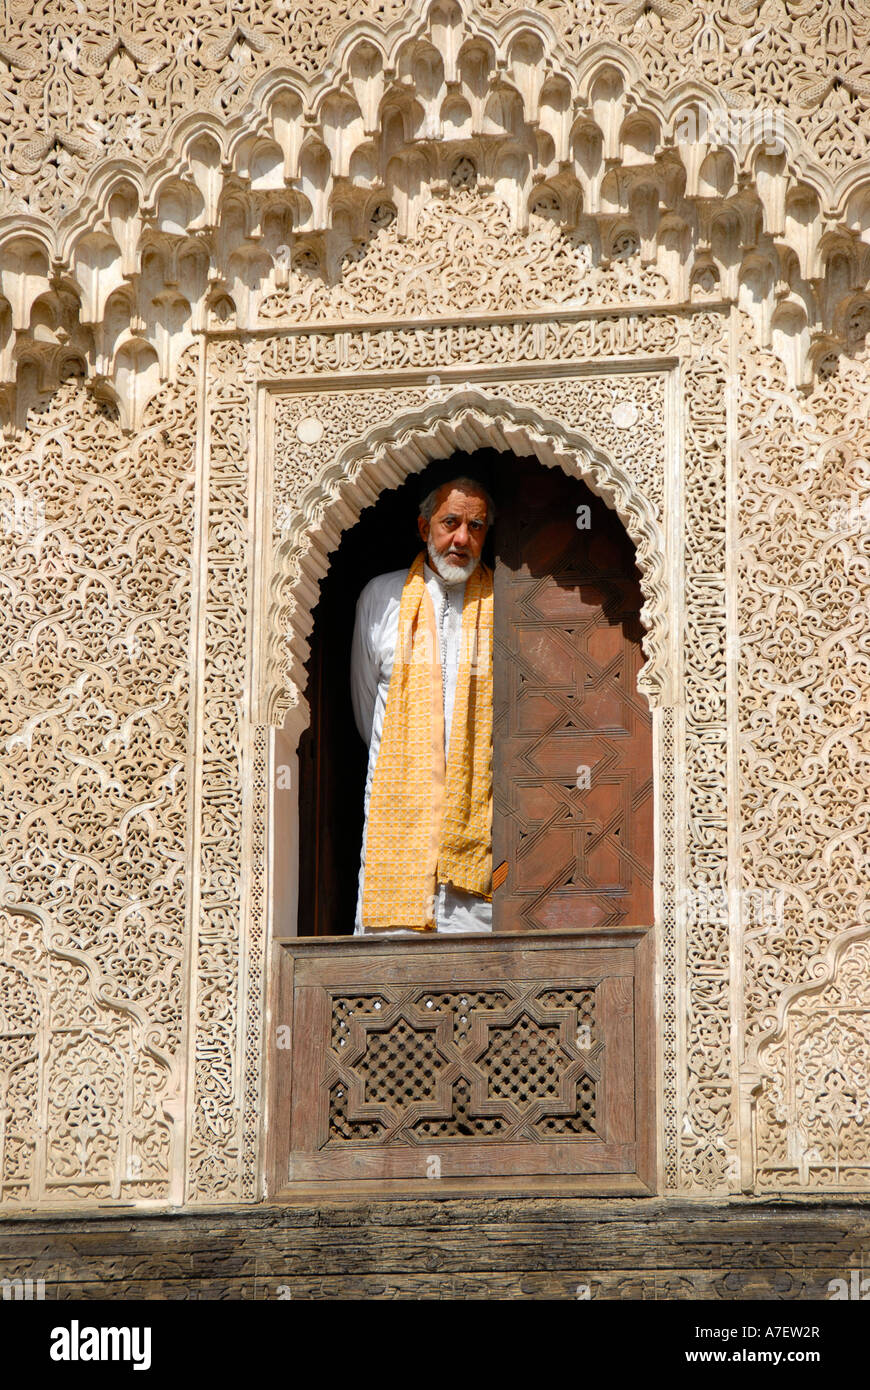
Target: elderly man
{"x": 421, "y": 682}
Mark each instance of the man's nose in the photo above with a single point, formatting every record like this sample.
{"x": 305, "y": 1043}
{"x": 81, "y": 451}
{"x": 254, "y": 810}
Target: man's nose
{"x": 460, "y": 537}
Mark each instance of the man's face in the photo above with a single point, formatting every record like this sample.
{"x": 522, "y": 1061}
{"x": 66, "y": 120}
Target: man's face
{"x": 455, "y": 535}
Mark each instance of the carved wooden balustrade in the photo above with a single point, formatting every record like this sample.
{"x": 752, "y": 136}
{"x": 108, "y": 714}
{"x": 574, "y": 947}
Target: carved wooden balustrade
{"x": 477, "y": 1060}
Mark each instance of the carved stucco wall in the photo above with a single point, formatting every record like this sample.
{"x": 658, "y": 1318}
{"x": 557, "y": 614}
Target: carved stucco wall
{"x": 804, "y": 687}
{"x": 363, "y": 213}
{"x": 96, "y": 546}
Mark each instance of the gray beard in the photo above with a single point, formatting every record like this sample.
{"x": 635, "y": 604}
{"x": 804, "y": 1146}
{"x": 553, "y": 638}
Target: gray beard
{"x": 450, "y": 573}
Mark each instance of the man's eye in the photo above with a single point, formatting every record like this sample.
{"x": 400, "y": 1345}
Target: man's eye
{"x": 477, "y": 525}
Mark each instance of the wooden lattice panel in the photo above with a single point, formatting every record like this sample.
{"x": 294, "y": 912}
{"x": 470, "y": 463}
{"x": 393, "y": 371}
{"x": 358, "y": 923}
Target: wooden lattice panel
{"x": 497, "y": 1059}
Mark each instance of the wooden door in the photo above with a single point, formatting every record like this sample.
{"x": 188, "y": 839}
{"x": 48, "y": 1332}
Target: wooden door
{"x": 572, "y": 737}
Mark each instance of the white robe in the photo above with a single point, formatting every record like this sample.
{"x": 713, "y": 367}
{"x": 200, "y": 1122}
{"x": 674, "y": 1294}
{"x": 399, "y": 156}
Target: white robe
{"x": 375, "y": 634}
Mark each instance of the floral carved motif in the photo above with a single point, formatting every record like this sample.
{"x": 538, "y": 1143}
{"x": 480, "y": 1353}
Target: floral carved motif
{"x": 95, "y": 537}
{"x": 812, "y": 1114}
{"x": 467, "y": 257}
{"x": 707, "y": 1135}
{"x": 804, "y": 681}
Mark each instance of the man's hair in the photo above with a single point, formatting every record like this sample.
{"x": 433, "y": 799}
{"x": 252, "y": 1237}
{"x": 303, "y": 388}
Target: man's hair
{"x": 430, "y": 501}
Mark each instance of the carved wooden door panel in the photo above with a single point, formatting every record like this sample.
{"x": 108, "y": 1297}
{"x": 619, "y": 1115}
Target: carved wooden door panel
{"x": 572, "y": 737}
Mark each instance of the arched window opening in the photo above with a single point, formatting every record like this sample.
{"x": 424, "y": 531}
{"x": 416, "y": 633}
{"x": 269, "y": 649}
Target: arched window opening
{"x": 572, "y": 736}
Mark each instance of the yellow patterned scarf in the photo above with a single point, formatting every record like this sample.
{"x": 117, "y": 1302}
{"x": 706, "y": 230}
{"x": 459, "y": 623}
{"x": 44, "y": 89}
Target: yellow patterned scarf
{"x": 428, "y": 824}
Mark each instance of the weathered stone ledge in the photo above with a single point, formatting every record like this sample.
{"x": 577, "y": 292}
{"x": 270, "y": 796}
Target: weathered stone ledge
{"x": 454, "y": 1248}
